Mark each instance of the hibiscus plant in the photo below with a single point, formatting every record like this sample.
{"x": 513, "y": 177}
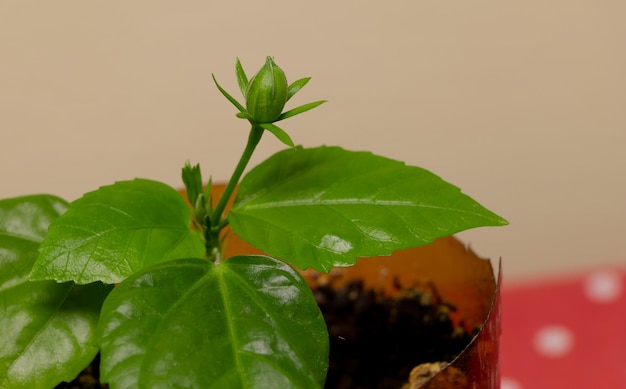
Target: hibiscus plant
{"x": 137, "y": 272}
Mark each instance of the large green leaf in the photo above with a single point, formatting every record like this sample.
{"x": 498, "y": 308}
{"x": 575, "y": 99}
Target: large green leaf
{"x": 326, "y": 206}
{"x": 250, "y": 322}
{"x": 30, "y": 216}
{"x": 115, "y": 231}
{"x": 46, "y": 329}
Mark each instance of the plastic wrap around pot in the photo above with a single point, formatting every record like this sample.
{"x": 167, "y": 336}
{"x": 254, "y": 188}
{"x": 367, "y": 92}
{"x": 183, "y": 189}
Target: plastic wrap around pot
{"x": 459, "y": 275}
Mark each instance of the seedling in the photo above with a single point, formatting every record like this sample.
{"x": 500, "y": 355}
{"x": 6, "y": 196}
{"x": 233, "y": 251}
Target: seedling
{"x": 135, "y": 272}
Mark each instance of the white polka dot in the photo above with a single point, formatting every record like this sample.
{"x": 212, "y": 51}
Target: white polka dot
{"x": 603, "y": 286}
{"x": 509, "y": 383}
{"x": 554, "y": 341}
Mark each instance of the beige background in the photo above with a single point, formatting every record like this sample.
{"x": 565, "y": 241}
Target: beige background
{"x": 520, "y": 103}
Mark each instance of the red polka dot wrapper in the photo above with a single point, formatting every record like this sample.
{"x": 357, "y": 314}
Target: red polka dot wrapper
{"x": 565, "y": 333}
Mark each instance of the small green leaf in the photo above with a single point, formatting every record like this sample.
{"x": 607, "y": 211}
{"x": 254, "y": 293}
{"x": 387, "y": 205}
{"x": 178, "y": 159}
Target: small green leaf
{"x": 242, "y": 79}
{"x": 116, "y": 230}
{"x": 296, "y": 86}
{"x": 300, "y": 109}
{"x": 326, "y": 206}
{"x": 228, "y": 96}
{"x": 47, "y": 329}
{"x": 278, "y": 133}
{"x": 192, "y": 177}
{"x": 249, "y": 322}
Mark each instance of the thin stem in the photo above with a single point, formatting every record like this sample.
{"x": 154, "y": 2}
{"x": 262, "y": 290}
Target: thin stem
{"x": 256, "y": 133}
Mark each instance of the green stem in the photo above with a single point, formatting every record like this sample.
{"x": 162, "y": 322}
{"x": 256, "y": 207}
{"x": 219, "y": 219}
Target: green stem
{"x": 217, "y": 223}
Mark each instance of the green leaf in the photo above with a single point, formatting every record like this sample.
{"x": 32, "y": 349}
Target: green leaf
{"x": 278, "y": 133}
{"x": 249, "y": 322}
{"x": 326, "y": 206}
{"x": 115, "y": 231}
{"x": 242, "y": 79}
{"x": 30, "y": 216}
{"x": 300, "y": 109}
{"x": 47, "y": 329}
{"x": 296, "y": 86}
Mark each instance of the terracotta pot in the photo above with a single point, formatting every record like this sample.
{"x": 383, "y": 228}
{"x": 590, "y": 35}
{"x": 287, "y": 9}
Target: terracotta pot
{"x": 459, "y": 275}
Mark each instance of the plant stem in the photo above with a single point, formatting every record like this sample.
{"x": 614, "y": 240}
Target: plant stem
{"x": 217, "y": 223}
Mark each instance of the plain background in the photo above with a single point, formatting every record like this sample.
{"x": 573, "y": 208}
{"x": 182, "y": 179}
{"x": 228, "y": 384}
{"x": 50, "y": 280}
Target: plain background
{"x": 520, "y": 103}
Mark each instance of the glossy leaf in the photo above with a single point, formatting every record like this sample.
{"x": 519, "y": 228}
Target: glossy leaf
{"x": 46, "y": 329}
{"x": 326, "y": 206}
{"x": 250, "y": 322}
{"x": 30, "y": 216}
{"x": 115, "y": 231}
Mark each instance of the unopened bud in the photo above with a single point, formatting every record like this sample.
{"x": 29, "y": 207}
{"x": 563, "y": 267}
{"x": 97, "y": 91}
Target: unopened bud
{"x": 266, "y": 93}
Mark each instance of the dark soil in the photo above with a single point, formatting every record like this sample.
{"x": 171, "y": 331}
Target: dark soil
{"x": 375, "y": 341}
{"x": 87, "y": 379}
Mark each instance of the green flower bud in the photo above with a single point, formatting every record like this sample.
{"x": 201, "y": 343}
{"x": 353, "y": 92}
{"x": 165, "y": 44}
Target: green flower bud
{"x": 266, "y": 93}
